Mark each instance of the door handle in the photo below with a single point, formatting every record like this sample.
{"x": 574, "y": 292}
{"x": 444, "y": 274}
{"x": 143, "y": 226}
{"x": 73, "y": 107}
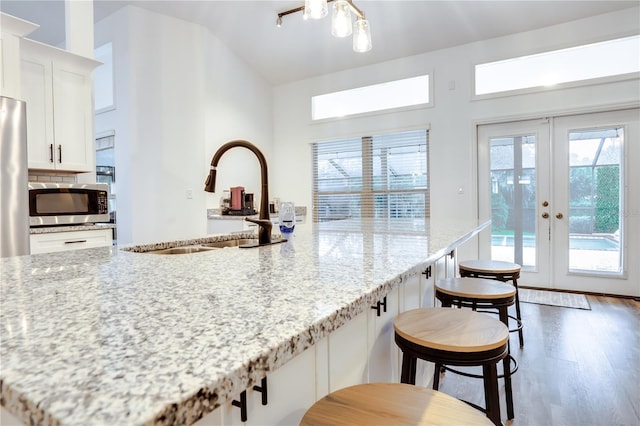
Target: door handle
{"x": 545, "y": 215}
{"x": 60, "y": 154}
{"x": 559, "y": 216}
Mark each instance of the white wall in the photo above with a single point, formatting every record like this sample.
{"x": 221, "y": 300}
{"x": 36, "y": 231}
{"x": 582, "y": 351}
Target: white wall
{"x": 180, "y": 94}
{"x": 454, "y": 115}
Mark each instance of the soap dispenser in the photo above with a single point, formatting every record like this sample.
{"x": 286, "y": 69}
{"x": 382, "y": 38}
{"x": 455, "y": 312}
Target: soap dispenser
{"x": 287, "y": 219}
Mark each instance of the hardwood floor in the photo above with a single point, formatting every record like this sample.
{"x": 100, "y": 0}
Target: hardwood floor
{"x": 577, "y": 367}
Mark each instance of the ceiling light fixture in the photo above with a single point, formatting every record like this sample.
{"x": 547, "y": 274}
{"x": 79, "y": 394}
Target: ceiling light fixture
{"x": 341, "y": 24}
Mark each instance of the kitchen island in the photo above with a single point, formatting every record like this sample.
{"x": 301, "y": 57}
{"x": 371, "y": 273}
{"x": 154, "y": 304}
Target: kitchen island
{"x": 123, "y": 336}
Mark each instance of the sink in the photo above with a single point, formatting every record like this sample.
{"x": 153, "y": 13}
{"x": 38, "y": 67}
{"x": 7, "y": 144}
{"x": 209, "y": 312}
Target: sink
{"x": 242, "y": 242}
{"x": 245, "y": 242}
{"x": 182, "y": 250}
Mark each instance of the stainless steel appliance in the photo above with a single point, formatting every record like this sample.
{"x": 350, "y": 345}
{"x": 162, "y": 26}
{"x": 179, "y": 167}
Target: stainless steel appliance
{"x": 67, "y": 203}
{"x": 14, "y": 176}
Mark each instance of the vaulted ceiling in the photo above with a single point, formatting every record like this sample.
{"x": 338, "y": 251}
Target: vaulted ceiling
{"x": 302, "y": 49}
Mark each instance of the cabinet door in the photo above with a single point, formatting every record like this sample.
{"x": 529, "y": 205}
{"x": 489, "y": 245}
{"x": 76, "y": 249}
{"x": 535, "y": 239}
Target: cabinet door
{"x": 427, "y": 291}
{"x": 348, "y": 351}
{"x": 409, "y": 294}
{"x": 291, "y": 390}
{"x": 37, "y": 92}
{"x": 72, "y": 111}
{"x": 383, "y": 352}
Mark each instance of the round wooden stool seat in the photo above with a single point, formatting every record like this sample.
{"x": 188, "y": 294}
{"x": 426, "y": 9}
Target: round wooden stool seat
{"x": 490, "y": 267}
{"x": 459, "y": 337}
{"x": 391, "y": 403}
{"x": 481, "y": 290}
{"x": 482, "y": 295}
{"x": 496, "y": 270}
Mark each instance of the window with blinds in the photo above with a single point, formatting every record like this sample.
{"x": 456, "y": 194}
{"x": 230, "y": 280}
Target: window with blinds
{"x": 381, "y": 176}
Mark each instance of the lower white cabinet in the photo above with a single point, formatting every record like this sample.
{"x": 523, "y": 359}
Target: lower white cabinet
{"x": 71, "y": 240}
{"x": 348, "y": 353}
{"x": 361, "y": 351}
{"x": 383, "y": 354}
{"x": 291, "y": 390}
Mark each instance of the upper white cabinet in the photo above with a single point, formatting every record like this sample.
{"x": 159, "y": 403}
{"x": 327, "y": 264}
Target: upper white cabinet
{"x": 57, "y": 86}
{"x": 12, "y": 29}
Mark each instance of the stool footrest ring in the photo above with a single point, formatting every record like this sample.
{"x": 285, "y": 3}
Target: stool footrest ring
{"x": 513, "y": 363}
{"x": 511, "y": 330}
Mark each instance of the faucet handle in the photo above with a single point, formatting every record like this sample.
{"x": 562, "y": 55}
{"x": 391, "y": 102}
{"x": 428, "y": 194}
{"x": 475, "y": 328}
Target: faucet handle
{"x": 264, "y": 230}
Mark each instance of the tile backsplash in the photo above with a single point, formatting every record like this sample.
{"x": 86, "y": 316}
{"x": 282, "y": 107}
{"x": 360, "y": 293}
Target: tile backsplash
{"x": 46, "y": 176}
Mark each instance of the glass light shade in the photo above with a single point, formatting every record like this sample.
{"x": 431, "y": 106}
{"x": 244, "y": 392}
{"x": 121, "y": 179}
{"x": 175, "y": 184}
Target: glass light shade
{"x": 362, "y": 36}
{"x": 341, "y": 20}
{"x": 315, "y": 9}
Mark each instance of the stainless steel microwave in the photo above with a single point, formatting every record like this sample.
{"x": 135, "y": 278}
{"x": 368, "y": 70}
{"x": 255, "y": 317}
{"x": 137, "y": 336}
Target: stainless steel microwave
{"x": 67, "y": 204}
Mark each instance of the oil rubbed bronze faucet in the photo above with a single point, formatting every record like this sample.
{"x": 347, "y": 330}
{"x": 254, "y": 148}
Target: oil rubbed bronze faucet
{"x": 264, "y": 224}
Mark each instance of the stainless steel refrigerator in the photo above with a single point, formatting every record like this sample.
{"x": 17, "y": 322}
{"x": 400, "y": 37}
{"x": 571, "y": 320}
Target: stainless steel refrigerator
{"x": 14, "y": 178}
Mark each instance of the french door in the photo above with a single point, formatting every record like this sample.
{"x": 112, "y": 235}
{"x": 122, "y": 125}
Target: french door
{"x": 562, "y": 194}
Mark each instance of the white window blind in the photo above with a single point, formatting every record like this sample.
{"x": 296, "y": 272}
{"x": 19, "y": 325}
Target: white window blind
{"x": 380, "y": 176}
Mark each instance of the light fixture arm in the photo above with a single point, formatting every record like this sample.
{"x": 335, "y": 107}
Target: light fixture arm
{"x": 355, "y": 9}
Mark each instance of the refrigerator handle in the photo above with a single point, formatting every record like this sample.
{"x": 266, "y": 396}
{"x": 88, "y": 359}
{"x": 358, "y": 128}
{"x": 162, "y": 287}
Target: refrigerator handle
{"x": 51, "y": 153}
{"x": 60, "y": 154}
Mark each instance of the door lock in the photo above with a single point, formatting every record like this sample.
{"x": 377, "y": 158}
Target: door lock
{"x": 559, "y": 216}
{"x": 545, "y": 215}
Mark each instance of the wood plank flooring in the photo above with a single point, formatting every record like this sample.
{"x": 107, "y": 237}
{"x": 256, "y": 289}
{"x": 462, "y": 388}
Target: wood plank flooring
{"x": 577, "y": 367}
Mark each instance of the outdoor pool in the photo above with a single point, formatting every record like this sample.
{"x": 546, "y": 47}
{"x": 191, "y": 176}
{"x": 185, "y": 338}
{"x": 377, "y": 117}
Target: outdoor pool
{"x": 576, "y": 242}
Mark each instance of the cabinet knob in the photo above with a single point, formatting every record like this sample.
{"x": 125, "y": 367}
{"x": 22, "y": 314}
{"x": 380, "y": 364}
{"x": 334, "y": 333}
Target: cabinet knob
{"x": 545, "y": 215}
{"x": 559, "y": 216}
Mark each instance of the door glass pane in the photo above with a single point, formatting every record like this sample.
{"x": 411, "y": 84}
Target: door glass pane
{"x": 513, "y": 199}
{"x": 595, "y": 183}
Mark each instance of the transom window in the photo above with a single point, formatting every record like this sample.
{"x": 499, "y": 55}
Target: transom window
{"x": 380, "y": 176}
{"x": 597, "y": 60}
{"x": 377, "y": 97}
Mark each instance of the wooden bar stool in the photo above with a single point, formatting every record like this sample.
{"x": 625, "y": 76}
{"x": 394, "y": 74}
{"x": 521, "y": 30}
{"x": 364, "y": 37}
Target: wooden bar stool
{"x": 391, "y": 404}
{"x": 458, "y": 337}
{"x": 496, "y": 270}
{"x": 482, "y": 295}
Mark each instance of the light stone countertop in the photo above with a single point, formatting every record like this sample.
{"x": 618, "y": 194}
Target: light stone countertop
{"x": 115, "y": 337}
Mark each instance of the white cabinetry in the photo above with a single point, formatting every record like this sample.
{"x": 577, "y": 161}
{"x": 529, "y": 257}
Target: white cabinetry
{"x": 348, "y": 354}
{"x": 72, "y": 240}
{"x": 12, "y": 29}
{"x": 383, "y": 352}
{"x": 230, "y": 225}
{"x": 58, "y": 87}
{"x": 291, "y": 389}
